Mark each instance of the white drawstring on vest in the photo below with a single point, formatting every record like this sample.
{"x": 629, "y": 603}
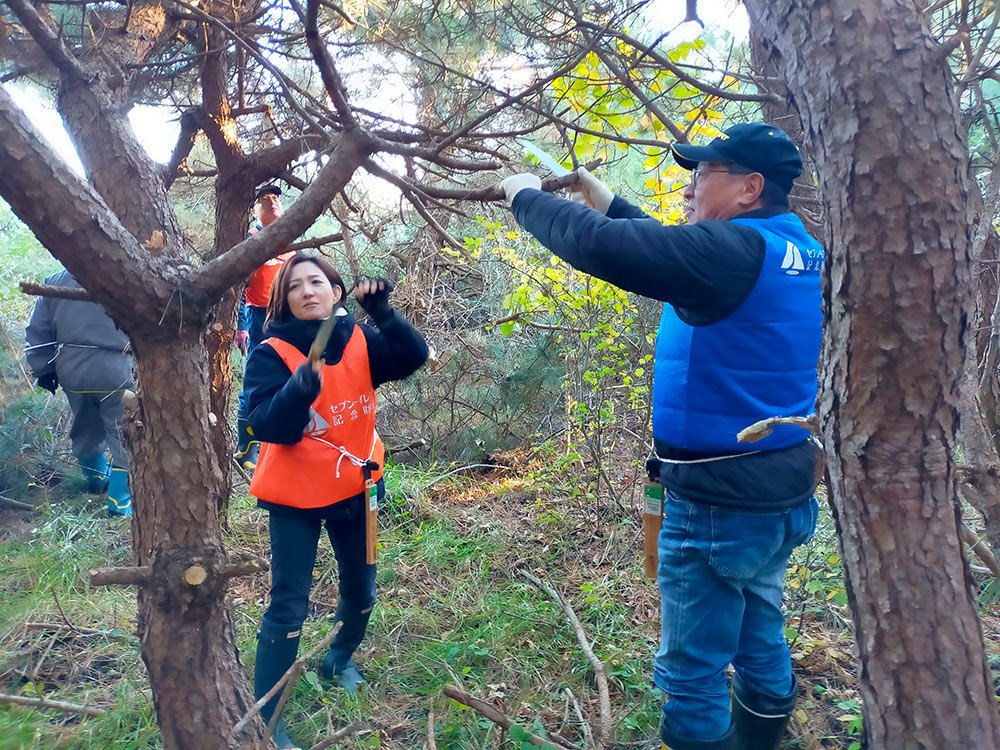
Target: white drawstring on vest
{"x": 344, "y": 453}
{"x": 705, "y": 460}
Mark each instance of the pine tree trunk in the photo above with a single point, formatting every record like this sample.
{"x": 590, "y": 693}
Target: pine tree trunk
{"x": 873, "y": 94}
{"x": 187, "y": 633}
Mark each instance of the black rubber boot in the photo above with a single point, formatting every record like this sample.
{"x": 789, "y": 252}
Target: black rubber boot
{"x": 338, "y": 664}
{"x": 673, "y": 741}
{"x": 760, "y": 720}
{"x": 276, "y": 651}
{"x": 247, "y": 449}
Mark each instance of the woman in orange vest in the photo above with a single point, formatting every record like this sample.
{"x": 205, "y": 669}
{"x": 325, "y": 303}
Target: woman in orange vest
{"x": 320, "y": 454}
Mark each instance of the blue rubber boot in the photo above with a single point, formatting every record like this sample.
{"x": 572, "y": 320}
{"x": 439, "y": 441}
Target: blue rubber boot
{"x": 276, "y": 652}
{"x": 119, "y": 495}
{"x": 95, "y": 471}
{"x": 247, "y": 449}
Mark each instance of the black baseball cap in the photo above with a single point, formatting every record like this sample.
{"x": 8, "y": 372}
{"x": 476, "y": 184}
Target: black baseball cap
{"x": 266, "y": 190}
{"x": 755, "y": 145}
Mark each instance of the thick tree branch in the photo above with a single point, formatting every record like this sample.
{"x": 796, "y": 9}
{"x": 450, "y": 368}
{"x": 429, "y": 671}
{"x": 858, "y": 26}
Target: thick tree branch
{"x": 272, "y": 163}
{"x": 73, "y": 223}
{"x": 47, "y": 39}
{"x": 91, "y": 101}
{"x": 327, "y": 69}
{"x": 485, "y": 195}
{"x": 185, "y": 142}
{"x": 215, "y": 277}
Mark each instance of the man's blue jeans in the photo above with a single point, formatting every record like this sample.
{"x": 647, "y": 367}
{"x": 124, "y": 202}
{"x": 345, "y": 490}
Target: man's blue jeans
{"x": 721, "y": 578}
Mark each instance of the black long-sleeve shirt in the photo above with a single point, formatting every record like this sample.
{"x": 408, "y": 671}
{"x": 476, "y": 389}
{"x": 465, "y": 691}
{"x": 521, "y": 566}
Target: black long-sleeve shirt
{"x": 279, "y": 413}
{"x": 704, "y": 270}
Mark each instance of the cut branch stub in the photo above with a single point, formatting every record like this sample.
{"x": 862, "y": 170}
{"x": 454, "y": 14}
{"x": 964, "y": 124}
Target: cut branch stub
{"x": 120, "y": 576}
{"x": 60, "y": 292}
{"x": 195, "y": 575}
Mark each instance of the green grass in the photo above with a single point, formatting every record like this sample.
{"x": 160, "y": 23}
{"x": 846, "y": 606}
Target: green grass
{"x": 452, "y": 608}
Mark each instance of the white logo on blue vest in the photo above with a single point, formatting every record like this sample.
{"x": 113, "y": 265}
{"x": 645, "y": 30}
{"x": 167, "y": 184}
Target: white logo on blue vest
{"x": 317, "y": 425}
{"x": 792, "y": 263}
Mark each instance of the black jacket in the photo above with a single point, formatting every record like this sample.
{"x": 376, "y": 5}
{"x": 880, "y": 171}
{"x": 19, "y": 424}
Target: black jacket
{"x": 279, "y": 414}
{"x": 705, "y": 270}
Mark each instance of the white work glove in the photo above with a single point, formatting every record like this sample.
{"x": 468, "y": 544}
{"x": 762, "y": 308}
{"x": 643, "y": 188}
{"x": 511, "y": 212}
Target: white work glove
{"x": 514, "y": 184}
{"x": 591, "y": 191}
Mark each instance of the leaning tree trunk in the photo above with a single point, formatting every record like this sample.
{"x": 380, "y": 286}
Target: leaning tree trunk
{"x": 872, "y": 90}
{"x": 187, "y": 634}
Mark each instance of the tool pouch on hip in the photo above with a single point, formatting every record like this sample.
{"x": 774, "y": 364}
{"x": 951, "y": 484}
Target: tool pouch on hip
{"x": 652, "y": 517}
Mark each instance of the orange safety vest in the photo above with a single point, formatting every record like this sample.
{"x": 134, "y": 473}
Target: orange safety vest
{"x": 259, "y": 287}
{"x": 324, "y": 466}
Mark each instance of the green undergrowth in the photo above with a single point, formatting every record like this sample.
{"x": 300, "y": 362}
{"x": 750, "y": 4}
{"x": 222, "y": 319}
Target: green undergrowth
{"x": 454, "y": 609}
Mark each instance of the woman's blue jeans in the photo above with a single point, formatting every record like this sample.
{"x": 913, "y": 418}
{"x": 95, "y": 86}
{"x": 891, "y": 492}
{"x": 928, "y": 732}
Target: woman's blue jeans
{"x": 721, "y": 578}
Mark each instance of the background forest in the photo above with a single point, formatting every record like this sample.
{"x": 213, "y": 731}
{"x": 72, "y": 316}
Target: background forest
{"x": 518, "y": 451}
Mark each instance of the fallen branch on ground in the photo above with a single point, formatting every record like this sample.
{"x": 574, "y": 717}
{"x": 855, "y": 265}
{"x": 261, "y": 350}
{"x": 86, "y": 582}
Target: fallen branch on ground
{"x": 16, "y": 503}
{"x": 493, "y": 714}
{"x": 979, "y": 547}
{"x": 76, "y": 630}
{"x": 604, "y": 722}
{"x": 588, "y": 734}
{"x": 22, "y": 700}
{"x": 288, "y": 678}
{"x": 337, "y": 736}
{"x": 431, "y": 742}
{"x": 241, "y": 470}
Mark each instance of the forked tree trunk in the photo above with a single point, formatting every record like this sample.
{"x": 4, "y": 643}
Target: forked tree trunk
{"x": 872, "y": 90}
{"x": 187, "y": 633}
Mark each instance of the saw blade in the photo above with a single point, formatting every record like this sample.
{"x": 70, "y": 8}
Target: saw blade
{"x": 539, "y": 153}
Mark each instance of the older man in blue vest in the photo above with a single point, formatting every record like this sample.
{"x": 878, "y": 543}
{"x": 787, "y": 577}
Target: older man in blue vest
{"x": 738, "y": 342}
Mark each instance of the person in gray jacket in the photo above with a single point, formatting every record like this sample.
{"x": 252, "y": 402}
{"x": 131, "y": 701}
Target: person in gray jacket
{"x": 76, "y": 345}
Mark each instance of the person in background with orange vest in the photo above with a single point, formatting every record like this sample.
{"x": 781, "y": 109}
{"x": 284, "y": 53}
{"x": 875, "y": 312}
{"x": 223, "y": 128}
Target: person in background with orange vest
{"x": 320, "y": 446}
{"x": 253, "y": 309}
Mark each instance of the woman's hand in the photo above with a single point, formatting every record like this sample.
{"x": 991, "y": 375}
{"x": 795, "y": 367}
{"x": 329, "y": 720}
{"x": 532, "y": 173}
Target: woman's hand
{"x": 307, "y": 379}
{"x": 373, "y": 296}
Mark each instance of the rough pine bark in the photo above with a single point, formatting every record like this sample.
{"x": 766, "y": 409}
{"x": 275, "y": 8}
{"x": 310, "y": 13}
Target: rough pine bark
{"x": 177, "y": 474}
{"x": 872, "y": 90}
{"x": 187, "y": 634}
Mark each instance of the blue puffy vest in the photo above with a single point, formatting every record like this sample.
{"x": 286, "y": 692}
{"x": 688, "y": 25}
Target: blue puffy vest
{"x": 712, "y": 381}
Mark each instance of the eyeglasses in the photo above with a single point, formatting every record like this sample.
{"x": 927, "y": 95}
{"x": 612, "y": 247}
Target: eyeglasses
{"x": 697, "y": 174}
